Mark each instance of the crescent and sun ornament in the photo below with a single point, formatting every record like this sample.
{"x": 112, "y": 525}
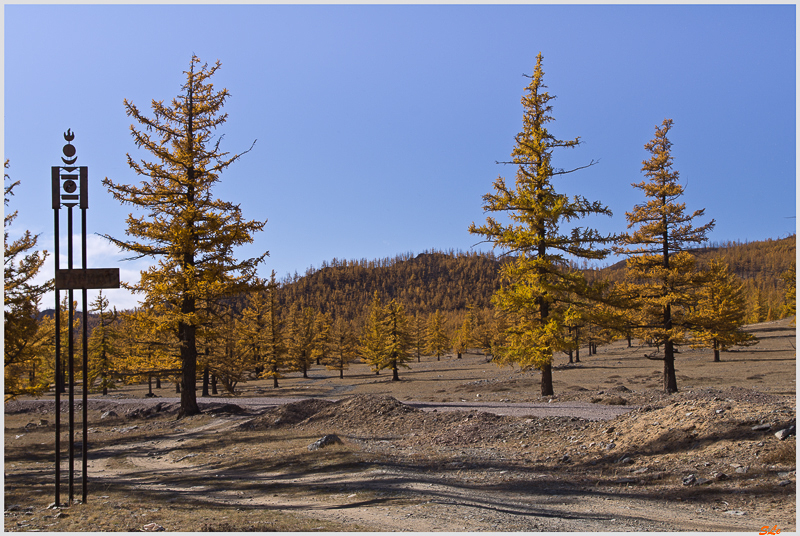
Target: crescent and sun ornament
{"x": 69, "y": 149}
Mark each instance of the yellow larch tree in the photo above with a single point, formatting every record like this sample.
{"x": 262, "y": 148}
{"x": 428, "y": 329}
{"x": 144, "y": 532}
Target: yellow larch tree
{"x": 437, "y": 342}
{"x": 186, "y": 229}
{"x": 539, "y": 283}
{"x": 720, "y": 311}
{"x": 662, "y": 279}
{"x": 21, "y": 298}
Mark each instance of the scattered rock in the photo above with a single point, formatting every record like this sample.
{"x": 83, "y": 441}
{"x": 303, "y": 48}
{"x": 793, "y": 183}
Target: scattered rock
{"x": 689, "y": 480}
{"x": 784, "y": 482}
{"x": 741, "y": 469}
{"x": 761, "y": 427}
{"x": 786, "y": 432}
{"x": 621, "y": 389}
{"x": 324, "y": 441}
{"x": 108, "y": 414}
{"x": 721, "y": 476}
{"x": 153, "y": 527}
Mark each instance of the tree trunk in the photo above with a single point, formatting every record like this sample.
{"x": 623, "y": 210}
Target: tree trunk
{"x": 547, "y": 380}
{"x": 459, "y": 355}
{"x": 205, "y": 382}
{"x": 275, "y": 376}
{"x": 570, "y": 356}
{"x": 716, "y": 351}
{"x": 189, "y": 405}
{"x": 395, "y": 375}
{"x": 158, "y": 382}
{"x": 214, "y": 384}
{"x": 150, "y": 384}
{"x": 670, "y": 381}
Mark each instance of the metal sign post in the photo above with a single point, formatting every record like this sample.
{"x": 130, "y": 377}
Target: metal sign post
{"x": 70, "y": 186}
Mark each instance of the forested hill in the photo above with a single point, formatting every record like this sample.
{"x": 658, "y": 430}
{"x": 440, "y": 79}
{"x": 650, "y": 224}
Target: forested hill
{"x": 430, "y": 281}
{"x": 451, "y": 281}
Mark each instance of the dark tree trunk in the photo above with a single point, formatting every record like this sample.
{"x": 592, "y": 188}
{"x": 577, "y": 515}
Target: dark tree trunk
{"x": 570, "y": 356}
{"x": 150, "y": 385}
{"x": 189, "y": 405}
{"x": 158, "y": 382}
{"x": 178, "y": 386}
{"x": 395, "y": 375}
{"x": 547, "y": 380}
{"x": 205, "y": 381}
{"x": 214, "y": 384}
{"x": 275, "y": 376}
{"x": 716, "y": 351}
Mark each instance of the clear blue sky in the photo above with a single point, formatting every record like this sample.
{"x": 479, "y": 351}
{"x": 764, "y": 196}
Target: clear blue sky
{"x": 378, "y": 127}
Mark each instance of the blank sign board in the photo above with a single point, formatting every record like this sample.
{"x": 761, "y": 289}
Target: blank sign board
{"x": 88, "y": 278}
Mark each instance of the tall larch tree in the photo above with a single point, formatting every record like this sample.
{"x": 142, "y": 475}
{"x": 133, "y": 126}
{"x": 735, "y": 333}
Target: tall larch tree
{"x": 373, "y": 335}
{"x": 21, "y": 297}
{"x": 437, "y": 342}
{"x": 790, "y": 294}
{"x": 661, "y": 274}
{"x": 186, "y": 229}
{"x": 720, "y": 312}
{"x": 102, "y": 349}
{"x": 299, "y": 338}
{"x": 398, "y": 339}
{"x": 537, "y": 285}
{"x": 344, "y": 346}
{"x": 260, "y": 333}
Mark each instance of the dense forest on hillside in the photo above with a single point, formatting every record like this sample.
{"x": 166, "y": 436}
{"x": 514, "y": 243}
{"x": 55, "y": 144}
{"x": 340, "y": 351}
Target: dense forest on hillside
{"x": 452, "y": 281}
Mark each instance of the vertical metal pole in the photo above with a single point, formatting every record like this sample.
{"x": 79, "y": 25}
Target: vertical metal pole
{"x": 58, "y": 372}
{"x": 71, "y": 368}
{"x": 85, "y": 443}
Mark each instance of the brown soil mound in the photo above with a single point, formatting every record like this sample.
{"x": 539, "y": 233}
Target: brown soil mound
{"x": 288, "y": 414}
{"x": 363, "y": 410}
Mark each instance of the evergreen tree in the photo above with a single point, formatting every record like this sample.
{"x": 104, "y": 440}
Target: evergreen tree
{"x": 539, "y": 279}
{"x": 720, "y": 312}
{"x": 189, "y": 232}
{"x": 436, "y": 338}
{"x": 660, "y": 270}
